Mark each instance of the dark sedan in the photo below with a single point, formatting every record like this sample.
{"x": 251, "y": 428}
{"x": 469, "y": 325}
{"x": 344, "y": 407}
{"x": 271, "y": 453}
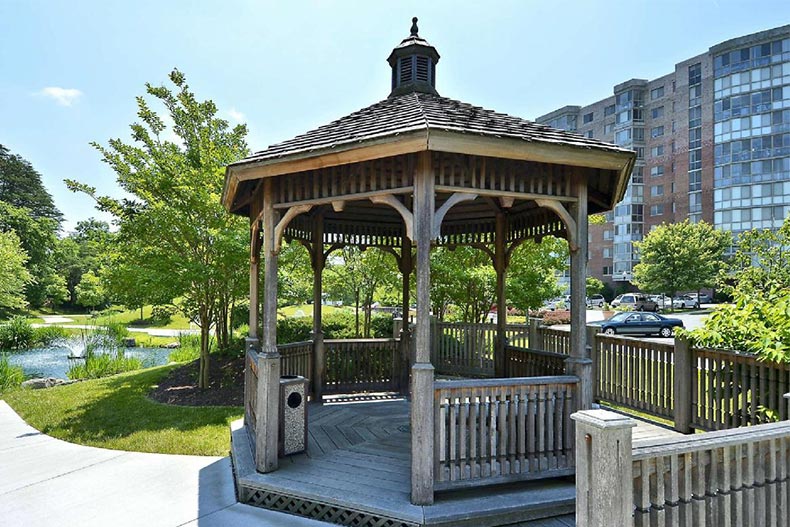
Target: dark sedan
{"x": 639, "y": 323}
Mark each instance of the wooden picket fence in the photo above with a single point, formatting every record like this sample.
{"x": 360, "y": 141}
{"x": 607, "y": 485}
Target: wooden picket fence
{"x": 460, "y": 348}
{"x": 362, "y": 365}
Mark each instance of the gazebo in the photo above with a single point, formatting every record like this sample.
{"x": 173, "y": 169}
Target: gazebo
{"x": 413, "y": 171}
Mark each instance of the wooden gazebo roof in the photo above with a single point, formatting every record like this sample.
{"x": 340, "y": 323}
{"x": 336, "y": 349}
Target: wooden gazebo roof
{"x": 416, "y": 121}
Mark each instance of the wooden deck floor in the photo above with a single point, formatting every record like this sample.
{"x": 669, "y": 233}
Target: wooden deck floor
{"x": 359, "y": 460}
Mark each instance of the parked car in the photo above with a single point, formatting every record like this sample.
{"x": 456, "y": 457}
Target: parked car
{"x": 701, "y": 298}
{"x": 628, "y": 323}
{"x": 685, "y": 302}
{"x": 663, "y": 301}
{"x": 637, "y": 301}
{"x": 554, "y": 304}
{"x": 595, "y": 301}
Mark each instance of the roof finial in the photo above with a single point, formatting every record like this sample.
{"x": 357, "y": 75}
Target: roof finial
{"x": 414, "y": 27}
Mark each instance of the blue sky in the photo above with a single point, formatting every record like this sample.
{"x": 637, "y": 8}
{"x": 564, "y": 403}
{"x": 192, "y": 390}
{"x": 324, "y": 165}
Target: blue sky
{"x": 70, "y": 71}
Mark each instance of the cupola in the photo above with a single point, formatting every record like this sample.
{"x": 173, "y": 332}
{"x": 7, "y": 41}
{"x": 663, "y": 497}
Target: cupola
{"x": 413, "y": 63}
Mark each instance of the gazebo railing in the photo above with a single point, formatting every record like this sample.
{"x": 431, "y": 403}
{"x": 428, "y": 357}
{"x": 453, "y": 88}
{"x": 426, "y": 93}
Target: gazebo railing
{"x": 362, "y": 365}
{"x": 297, "y": 358}
{"x": 251, "y": 394}
{"x": 493, "y": 431}
{"x": 462, "y": 348}
{"x": 525, "y": 362}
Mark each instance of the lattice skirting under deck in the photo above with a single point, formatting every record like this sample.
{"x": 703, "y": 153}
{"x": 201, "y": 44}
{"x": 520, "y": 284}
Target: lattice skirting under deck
{"x": 318, "y": 511}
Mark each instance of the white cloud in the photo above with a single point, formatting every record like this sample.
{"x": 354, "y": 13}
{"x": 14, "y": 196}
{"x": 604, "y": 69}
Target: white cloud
{"x": 236, "y": 115}
{"x": 62, "y": 96}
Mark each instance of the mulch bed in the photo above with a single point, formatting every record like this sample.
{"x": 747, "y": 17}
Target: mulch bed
{"x": 226, "y": 384}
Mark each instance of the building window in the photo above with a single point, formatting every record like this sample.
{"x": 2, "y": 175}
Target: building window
{"x": 695, "y": 202}
{"x": 607, "y": 270}
{"x": 588, "y": 134}
{"x": 623, "y": 136}
{"x": 672, "y": 190}
{"x": 695, "y": 74}
{"x": 657, "y": 151}
{"x": 607, "y": 234}
{"x": 656, "y": 93}
{"x": 607, "y": 252}
{"x": 657, "y": 171}
{"x": 657, "y": 210}
{"x": 609, "y": 110}
{"x": 657, "y": 113}
{"x": 608, "y": 128}
{"x": 657, "y": 131}
{"x": 695, "y": 138}
{"x": 639, "y": 134}
{"x": 657, "y": 190}
{"x": 695, "y": 159}
{"x": 695, "y": 117}
{"x": 588, "y": 117}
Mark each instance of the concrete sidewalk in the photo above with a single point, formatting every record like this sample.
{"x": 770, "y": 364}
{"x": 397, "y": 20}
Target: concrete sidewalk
{"x": 45, "y": 481}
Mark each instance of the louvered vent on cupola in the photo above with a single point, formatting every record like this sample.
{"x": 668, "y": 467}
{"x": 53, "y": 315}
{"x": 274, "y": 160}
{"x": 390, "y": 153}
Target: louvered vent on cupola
{"x": 413, "y": 64}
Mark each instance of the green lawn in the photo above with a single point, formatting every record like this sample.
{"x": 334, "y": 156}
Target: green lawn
{"x": 128, "y": 317}
{"x": 114, "y": 412}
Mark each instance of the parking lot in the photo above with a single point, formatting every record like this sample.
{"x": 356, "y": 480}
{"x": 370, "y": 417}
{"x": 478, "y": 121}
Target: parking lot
{"x": 691, "y": 320}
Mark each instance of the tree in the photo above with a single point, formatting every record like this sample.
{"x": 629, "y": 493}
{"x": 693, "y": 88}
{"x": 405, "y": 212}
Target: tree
{"x": 192, "y": 247}
{"x": 761, "y": 262}
{"x": 679, "y": 257}
{"x": 90, "y": 292}
{"x": 594, "y": 286}
{"x": 21, "y": 186}
{"x": 462, "y": 278}
{"x": 37, "y": 236}
{"x": 355, "y": 276}
{"x": 532, "y": 274}
{"x": 14, "y": 277}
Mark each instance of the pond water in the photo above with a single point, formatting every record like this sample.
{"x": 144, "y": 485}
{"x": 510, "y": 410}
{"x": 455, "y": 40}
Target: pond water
{"x": 53, "y": 361}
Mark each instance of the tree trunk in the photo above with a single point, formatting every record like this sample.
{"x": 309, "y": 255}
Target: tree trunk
{"x": 205, "y": 326}
{"x": 356, "y": 314}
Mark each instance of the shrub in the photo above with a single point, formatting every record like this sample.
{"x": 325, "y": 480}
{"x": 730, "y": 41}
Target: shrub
{"x": 184, "y": 354}
{"x": 381, "y": 326}
{"x": 294, "y": 329}
{"x": 551, "y": 318}
{"x": 162, "y": 315}
{"x": 10, "y": 376}
{"x": 17, "y": 333}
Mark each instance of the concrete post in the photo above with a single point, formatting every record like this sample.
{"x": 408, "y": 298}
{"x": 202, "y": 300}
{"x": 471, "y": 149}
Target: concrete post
{"x": 682, "y": 382}
{"x": 604, "y": 478}
{"x": 422, "y": 433}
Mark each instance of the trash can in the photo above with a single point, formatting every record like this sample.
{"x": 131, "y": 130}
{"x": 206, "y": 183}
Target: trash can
{"x": 293, "y": 415}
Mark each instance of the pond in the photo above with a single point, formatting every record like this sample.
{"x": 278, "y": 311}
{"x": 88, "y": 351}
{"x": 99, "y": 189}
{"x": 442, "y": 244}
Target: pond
{"x": 53, "y": 361}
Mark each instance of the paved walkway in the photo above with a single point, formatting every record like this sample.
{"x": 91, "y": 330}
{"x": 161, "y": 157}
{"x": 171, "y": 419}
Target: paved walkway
{"x": 45, "y": 481}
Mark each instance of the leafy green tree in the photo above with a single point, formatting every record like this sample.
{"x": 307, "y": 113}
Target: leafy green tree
{"x": 192, "y": 247}
{"x": 680, "y": 257}
{"x": 761, "y": 262}
{"x": 37, "y": 236}
{"x": 21, "y": 186}
{"x": 594, "y": 286}
{"x": 90, "y": 291}
{"x": 355, "y": 276}
{"x": 463, "y": 278}
{"x": 532, "y": 274}
{"x": 14, "y": 277}
{"x": 294, "y": 275}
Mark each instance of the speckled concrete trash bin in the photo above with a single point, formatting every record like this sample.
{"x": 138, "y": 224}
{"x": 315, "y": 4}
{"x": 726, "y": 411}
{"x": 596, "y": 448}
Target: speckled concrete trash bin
{"x": 293, "y": 415}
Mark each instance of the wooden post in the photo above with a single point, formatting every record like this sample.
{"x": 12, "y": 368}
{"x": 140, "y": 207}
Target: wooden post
{"x": 578, "y": 362}
{"x": 317, "y": 261}
{"x": 269, "y": 359}
{"x": 500, "y": 266}
{"x": 682, "y": 383}
{"x": 592, "y": 344}
{"x": 422, "y": 433}
{"x": 604, "y": 480}
{"x": 252, "y": 342}
{"x": 535, "y": 334}
{"x": 406, "y": 266}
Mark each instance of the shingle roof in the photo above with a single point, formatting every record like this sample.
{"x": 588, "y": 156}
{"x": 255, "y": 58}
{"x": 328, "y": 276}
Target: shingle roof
{"x": 421, "y": 111}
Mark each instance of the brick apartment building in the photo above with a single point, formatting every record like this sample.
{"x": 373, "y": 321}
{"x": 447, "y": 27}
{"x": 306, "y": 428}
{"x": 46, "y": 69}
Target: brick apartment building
{"x": 712, "y": 141}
